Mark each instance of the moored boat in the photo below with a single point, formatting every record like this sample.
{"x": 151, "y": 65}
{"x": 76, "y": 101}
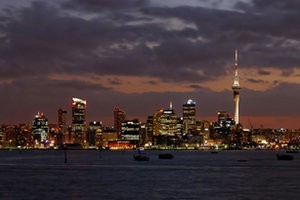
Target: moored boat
{"x": 285, "y": 157}
{"x": 141, "y": 157}
{"x": 165, "y": 156}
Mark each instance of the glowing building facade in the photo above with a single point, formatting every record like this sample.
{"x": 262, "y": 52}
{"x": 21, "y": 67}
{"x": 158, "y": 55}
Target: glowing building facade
{"x": 130, "y": 131}
{"x": 189, "y": 116}
{"x": 40, "y": 130}
{"x": 119, "y": 118}
{"x": 168, "y": 123}
{"x": 78, "y": 127}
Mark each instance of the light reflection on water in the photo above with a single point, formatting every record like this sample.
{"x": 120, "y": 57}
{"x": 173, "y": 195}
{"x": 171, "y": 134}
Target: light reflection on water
{"x": 96, "y": 174}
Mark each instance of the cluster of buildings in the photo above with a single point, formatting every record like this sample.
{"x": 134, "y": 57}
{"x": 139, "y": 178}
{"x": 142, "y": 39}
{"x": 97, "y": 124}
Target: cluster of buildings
{"x": 163, "y": 129}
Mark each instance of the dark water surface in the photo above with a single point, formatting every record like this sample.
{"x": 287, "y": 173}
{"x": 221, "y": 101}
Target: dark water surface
{"x": 93, "y": 174}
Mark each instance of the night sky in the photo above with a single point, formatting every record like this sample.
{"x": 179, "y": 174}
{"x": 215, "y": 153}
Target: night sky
{"x": 141, "y": 55}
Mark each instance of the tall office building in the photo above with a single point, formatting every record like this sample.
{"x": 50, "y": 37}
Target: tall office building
{"x": 156, "y": 122}
{"x": 40, "y": 130}
{"x": 236, "y": 89}
{"x": 62, "y": 119}
{"x": 94, "y": 132}
{"x": 223, "y": 118}
{"x": 168, "y": 122}
{"x": 149, "y": 128}
{"x": 189, "y": 116}
{"x": 119, "y": 117}
{"x": 78, "y": 127}
{"x": 62, "y": 125}
{"x": 130, "y": 131}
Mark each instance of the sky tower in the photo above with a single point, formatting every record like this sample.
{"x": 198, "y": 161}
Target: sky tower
{"x": 236, "y": 89}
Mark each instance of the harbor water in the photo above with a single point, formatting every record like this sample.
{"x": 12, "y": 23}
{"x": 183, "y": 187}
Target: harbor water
{"x": 115, "y": 175}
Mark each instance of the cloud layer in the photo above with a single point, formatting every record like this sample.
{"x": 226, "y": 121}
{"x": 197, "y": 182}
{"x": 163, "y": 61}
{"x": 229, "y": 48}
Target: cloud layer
{"x": 141, "y": 55}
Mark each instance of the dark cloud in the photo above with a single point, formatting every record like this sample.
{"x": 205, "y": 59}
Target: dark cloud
{"x": 264, "y": 72}
{"x": 282, "y": 100}
{"x": 197, "y": 87}
{"x": 44, "y": 39}
{"x": 265, "y": 6}
{"x": 152, "y": 82}
{"x": 114, "y": 81}
{"x": 101, "y": 5}
{"x": 251, "y": 80}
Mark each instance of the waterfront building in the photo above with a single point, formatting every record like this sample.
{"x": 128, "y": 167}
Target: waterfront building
{"x": 168, "y": 123}
{"x": 236, "y": 89}
{"x": 156, "y": 122}
{"x": 130, "y": 131}
{"x": 189, "y": 116}
{"x": 40, "y": 131}
{"x": 16, "y": 136}
{"x": 55, "y": 136}
{"x": 165, "y": 127}
{"x": 107, "y": 136}
{"x": 78, "y": 126}
{"x": 119, "y": 118}
{"x": 225, "y": 122}
{"x": 179, "y": 126}
{"x": 62, "y": 119}
{"x": 95, "y": 129}
{"x": 2, "y": 136}
{"x": 143, "y": 135}
{"x": 149, "y": 129}
{"x": 62, "y": 124}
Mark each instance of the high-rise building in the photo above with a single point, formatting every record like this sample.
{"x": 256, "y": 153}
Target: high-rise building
{"x": 78, "y": 127}
{"x": 62, "y": 124}
{"x": 189, "y": 116}
{"x": 225, "y": 123}
{"x": 94, "y": 133}
{"x": 236, "y": 89}
{"x": 224, "y": 119}
{"x": 156, "y": 122}
{"x": 149, "y": 129}
{"x": 119, "y": 117}
{"x": 168, "y": 123}
{"x": 130, "y": 131}
{"x": 40, "y": 130}
{"x": 62, "y": 119}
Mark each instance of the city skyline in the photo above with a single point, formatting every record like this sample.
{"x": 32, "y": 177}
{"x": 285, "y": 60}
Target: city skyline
{"x": 141, "y": 55}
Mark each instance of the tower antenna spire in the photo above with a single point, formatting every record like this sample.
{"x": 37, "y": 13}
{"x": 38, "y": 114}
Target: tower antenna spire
{"x": 236, "y": 58}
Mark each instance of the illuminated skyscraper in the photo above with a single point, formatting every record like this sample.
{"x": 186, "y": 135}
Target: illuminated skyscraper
{"x": 131, "y": 131}
{"x": 78, "y": 127}
{"x": 236, "y": 89}
{"x": 40, "y": 130}
{"x": 156, "y": 122}
{"x": 119, "y": 117}
{"x": 189, "y": 116}
{"x": 168, "y": 122}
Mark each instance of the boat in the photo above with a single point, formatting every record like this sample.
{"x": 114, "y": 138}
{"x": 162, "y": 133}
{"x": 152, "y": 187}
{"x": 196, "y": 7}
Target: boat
{"x": 141, "y": 155}
{"x": 285, "y": 157}
{"x": 165, "y": 156}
